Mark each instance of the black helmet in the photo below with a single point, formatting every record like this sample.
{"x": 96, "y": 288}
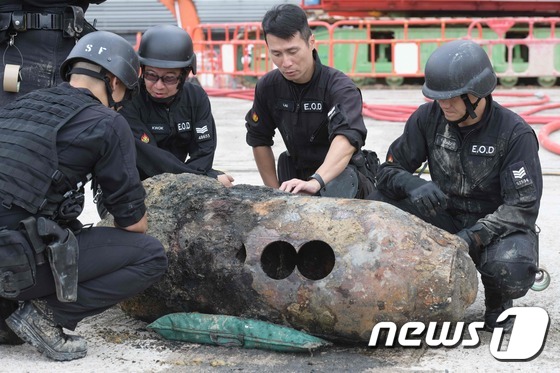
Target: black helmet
{"x": 457, "y": 68}
{"x": 167, "y": 47}
{"x": 108, "y": 50}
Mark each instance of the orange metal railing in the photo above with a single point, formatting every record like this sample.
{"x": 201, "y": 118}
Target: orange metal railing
{"x": 391, "y": 49}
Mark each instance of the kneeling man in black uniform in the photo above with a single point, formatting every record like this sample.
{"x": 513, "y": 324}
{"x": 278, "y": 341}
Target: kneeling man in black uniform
{"x": 486, "y": 180}
{"x": 53, "y": 141}
{"x": 317, "y": 110}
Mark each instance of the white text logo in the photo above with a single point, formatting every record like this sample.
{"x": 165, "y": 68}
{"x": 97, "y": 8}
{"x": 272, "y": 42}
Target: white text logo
{"x": 525, "y": 342}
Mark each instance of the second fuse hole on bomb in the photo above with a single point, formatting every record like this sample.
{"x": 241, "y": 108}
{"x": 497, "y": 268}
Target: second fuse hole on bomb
{"x": 315, "y": 260}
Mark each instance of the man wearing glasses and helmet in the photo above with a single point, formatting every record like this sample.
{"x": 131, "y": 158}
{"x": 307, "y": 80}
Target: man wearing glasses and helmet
{"x": 171, "y": 118}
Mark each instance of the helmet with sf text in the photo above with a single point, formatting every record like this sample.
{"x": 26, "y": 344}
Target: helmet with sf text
{"x": 456, "y": 68}
{"x": 108, "y": 50}
{"x": 167, "y": 47}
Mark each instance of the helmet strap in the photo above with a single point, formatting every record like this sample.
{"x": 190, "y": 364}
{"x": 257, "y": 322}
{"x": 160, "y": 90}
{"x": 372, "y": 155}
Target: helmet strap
{"x": 111, "y": 102}
{"x": 81, "y": 71}
{"x": 115, "y": 105}
{"x": 470, "y": 106}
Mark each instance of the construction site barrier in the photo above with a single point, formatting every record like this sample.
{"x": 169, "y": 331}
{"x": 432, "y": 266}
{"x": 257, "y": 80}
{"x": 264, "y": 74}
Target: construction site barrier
{"x": 234, "y": 54}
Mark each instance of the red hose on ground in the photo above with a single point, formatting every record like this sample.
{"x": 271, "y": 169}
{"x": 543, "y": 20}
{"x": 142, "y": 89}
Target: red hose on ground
{"x": 545, "y": 140}
{"x": 400, "y": 113}
{"x": 392, "y": 113}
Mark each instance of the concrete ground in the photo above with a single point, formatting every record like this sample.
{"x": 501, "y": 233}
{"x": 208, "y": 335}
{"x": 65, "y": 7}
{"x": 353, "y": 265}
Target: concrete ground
{"x": 118, "y": 343}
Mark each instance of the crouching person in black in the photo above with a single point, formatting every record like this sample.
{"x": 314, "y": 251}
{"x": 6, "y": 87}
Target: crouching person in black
{"x": 318, "y": 112}
{"x": 53, "y": 141}
{"x": 486, "y": 180}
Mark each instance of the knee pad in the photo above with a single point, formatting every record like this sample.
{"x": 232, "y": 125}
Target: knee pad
{"x": 509, "y": 265}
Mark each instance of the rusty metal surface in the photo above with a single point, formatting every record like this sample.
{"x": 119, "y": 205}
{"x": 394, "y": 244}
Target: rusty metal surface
{"x": 332, "y": 267}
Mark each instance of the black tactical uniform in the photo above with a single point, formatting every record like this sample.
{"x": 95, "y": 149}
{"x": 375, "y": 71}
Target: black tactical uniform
{"x": 53, "y": 141}
{"x": 490, "y": 171}
{"x": 166, "y": 135}
{"x": 169, "y": 130}
{"x": 42, "y": 39}
{"x": 113, "y": 264}
{"x": 486, "y": 180}
{"x": 301, "y": 114}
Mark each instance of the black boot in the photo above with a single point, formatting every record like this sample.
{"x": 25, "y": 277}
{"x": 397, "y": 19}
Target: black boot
{"x": 7, "y": 336}
{"x": 34, "y": 323}
{"x": 494, "y": 308}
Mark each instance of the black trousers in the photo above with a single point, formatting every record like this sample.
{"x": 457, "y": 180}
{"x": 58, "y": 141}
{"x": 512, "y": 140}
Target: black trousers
{"x": 40, "y": 54}
{"x": 507, "y": 265}
{"x": 113, "y": 265}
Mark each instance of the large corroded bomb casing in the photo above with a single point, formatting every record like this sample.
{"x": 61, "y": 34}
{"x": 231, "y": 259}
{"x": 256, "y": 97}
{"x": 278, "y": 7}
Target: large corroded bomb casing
{"x": 333, "y": 267}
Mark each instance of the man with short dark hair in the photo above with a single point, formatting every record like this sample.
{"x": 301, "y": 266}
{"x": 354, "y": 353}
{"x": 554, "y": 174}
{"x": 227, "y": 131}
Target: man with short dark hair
{"x": 317, "y": 110}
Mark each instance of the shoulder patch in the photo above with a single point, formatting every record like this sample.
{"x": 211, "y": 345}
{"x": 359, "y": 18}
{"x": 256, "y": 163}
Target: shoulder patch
{"x": 144, "y": 138}
{"x": 519, "y": 175}
{"x": 255, "y": 117}
{"x": 202, "y": 133}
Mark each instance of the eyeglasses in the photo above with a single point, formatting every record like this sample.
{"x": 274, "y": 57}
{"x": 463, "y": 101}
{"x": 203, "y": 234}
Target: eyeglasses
{"x": 166, "y": 79}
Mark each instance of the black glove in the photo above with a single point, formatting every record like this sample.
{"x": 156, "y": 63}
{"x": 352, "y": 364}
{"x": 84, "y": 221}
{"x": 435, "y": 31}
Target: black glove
{"x": 428, "y": 197}
{"x": 473, "y": 242}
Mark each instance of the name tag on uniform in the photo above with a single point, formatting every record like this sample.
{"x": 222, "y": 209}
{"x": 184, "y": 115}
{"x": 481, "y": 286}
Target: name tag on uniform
{"x": 183, "y": 126}
{"x": 484, "y": 150}
{"x": 159, "y": 129}
{"x": 449, "y": 143}
{"x": 312, "y": 106}
{"x": 286, "y": 105}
